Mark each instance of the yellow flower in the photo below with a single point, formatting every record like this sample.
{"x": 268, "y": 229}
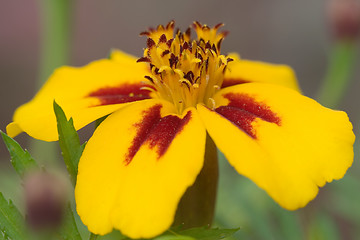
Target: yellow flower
{"x": 142, "y": 158}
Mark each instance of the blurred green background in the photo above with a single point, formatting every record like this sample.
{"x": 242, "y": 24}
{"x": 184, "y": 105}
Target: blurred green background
{"x": 296, "y": 33}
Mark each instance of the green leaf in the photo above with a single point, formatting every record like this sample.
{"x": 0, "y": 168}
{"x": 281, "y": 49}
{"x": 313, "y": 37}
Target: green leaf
{"x": 69, "y": 230}
{"x": 69, "y": 142}
{"x": 3, "y": 236}
{"x": 20, "y": 159}
{"x": 174, "y": 237}
{"x": 71, "y": 151}
{"x": 12, "y": 225}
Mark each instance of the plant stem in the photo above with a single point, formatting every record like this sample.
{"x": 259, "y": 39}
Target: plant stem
{"x": 197, "y": 206}
{"x": 55, "y": 36}
{"x": 338, "y": 75}
{"x": 93, "y": 236}
{"x": 55, "y": 24}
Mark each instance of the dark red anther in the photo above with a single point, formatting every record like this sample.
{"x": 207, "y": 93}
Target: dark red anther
{"x": 185, "y": 45}
{"x": 189, "y": 76}
{"x": 150, "y": 43}
{"x": 202, "y": 49}
{"x": 190, "y": 46}
{"x": 219, "y": 25}
{"x": 188, "y": 32}
{"x": 214, "y": 48}
{"x": 205, "y": 28}
{"x": 143, "y": 59}
{"x": 149, "y": 78}
{"x": 181, "y": 36}
{"x": 201, "y": 42}
{"x": 162, "y": 38}
{"x": 229, "y": 60}
{"x": 181, "y": 49}
{"x": 145, "y": 33}
{"x": 169, "y": 42}
{"x": 173, "y": 60}
{"x": 187, "y": 84}
{"x": 165, "y": 53}
{"x": 197, "y": 79}
{"x": 208, "y": 45}
{"x": 218, "y": 44}
{"x": 207, "y": 64}
{"x": 224, "y": 70}
{"x": 196, "y": 24}
{"x": 170, "y": 25}
{"x": 199, "y": 56}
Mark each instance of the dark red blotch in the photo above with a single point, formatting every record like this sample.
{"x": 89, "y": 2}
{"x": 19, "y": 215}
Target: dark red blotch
{"x": 156, "y": 131}
{"x": 228, "y": 82}
{"x": 121, "y": 94}
{"x": 242, "y": 110}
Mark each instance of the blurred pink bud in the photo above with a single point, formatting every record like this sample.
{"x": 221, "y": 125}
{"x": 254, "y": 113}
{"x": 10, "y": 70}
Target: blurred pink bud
{"x": 45, "y": 196}
{"x": 344, "y": 18}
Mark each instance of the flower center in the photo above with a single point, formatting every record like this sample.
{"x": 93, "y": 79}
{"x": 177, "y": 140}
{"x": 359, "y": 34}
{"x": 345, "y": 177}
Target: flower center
{"x": 184, "y": 71}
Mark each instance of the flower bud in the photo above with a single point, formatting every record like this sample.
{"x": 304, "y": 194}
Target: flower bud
{"x": 344, "y": 18}
{"x": 45, "y": 200}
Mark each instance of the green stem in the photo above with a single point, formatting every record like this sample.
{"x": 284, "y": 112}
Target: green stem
{"x": 338, "y": 75}
{"x": 55, "y": 36}
{"x": 93, "y": 236}
{"x": 55, "y": 20}
{"x": 197, "y": 206}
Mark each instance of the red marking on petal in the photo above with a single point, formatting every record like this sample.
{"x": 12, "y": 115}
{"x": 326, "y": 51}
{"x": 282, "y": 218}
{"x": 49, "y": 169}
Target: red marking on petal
{"x": 242, "y": 110}
{"x": 121, "y": 94}
{"x": 228, "y": 82}
{"x": 156, "y": 131}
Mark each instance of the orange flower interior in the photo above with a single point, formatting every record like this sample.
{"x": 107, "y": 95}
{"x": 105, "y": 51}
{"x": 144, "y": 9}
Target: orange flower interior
{"x": 184, "y": 71}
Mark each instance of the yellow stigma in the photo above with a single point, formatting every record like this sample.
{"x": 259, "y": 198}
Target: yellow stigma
{"x": 184, "y": 71}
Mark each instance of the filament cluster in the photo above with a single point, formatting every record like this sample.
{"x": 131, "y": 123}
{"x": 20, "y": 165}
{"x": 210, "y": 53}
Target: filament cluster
{"x": 184, "y": 71}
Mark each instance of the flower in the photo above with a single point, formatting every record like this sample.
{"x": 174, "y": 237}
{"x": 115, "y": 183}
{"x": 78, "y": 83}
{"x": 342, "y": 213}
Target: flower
{"x": 150, "y": 149}
{"x": 344, "y": 18}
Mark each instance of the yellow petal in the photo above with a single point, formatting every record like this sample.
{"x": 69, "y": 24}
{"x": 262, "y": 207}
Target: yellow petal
{"x": 136, "y": 167}
{"x": 86, "y": 94}
{"x": 246, "y": 71}
{"x": 288, "y": 144}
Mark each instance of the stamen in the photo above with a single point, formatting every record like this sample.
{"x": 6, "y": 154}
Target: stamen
{"x": 212, "y": 103}
{"x": 150, "y": 43}
{"x": 184, "y": 71}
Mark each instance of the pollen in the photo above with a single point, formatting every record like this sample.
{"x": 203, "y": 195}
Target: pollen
{"x": 185, "y": 71}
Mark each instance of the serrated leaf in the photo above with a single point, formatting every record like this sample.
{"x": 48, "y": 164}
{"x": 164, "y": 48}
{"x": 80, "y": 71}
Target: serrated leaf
{"x": 69, "y": 142}
{"x": 20, "y": 159}
{"x": 71, "y": 151}
{"x": 69, "y": 230}
{"x": 11, "y": 222}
